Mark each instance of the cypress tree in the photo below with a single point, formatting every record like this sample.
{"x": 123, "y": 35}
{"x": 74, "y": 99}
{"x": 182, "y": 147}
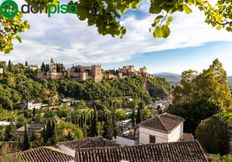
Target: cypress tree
{"x": 133, "y": 117}
{"x": 107, "y": 129}
{"x": 26, "y": 144}
{"x": 93, "y": 126}
{"x": 139, "y": 114}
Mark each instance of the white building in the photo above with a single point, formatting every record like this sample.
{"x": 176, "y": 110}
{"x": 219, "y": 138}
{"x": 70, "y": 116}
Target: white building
{"x": 161, "y": 128}
{"x": 4, "y": 123}
{"x": 32, "y": 105}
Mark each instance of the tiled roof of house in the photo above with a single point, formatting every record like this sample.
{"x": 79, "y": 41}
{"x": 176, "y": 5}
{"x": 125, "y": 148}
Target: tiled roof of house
{"x": 89, "y": 143}
{"x": 30, "y": 129}
{"x": 188, "y": 137}
{"x": 188, "y": 151}
{"x": 164, "y": 122}
{"x": 42, "y": 154}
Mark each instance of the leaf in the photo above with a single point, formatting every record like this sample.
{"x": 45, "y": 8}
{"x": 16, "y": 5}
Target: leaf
{"x": 187, "y": 9}
{"x": 19, "y": 39}
{"x": 158, "y": 33}
{"x": 165, "y": 31}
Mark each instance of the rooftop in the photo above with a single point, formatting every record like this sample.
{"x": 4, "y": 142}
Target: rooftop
{"x": 89, "y": 143}
{"x": 188, "y": 151}
{"x": 42, "y": 154}
{"x": 30, "y": 129}
{"x": 164, "y": 122}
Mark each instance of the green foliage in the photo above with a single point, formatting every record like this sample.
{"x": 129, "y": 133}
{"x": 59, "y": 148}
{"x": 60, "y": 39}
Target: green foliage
{"x": 18, "y": 85}
{"x": 106, "y": 16}
{"x": 65, "y": 130}
{"x": 146, "y": 113}
{"x": 26, "y": 144}
{"x": 10, "y": 31}
{"x": 121, "y": 114}
{"x": 93, "y": 127}
{"x": 10, "y": 133}
{"x": 90, "y": 90}
{"x": 212, "y": 133}
{"x": 211, "y": 85}
{"x": 194, "y": 112}
{"x": 108, "y": 128}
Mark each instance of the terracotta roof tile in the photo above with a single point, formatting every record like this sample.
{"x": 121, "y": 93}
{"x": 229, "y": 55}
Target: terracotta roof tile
{"x": 164, "y": 122}
{"x": 41, "y": 154}
{"x": 89, "y": 143}
{"x": 189, "y": 151}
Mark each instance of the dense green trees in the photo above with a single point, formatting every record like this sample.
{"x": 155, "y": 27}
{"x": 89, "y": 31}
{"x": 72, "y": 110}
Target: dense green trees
{"x": 212, "y": 133}
{"x": 211, "y": 85}
{"x": 18, "y": 85}
{"x": 200, "y": 96}
{"x": 10, "y": 133}
{"x": 194, "y": 112}
{"x": 201, "y": 99}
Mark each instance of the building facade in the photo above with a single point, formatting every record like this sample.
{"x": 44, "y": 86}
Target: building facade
{"x": 161, "y": 128}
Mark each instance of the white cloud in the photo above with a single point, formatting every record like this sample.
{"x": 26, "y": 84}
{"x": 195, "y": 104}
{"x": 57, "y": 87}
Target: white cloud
{"x": 69, "y": 40}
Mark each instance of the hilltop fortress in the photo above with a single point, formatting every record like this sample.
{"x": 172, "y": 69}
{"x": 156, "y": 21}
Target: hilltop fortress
{"x": 57, "y": 71}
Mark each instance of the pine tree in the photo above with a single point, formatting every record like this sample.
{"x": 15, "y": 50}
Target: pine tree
{"x": 26, "y": 144}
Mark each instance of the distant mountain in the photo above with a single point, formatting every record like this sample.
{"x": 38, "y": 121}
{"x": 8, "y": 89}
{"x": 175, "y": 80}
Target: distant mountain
{"x": 174, "y": 79}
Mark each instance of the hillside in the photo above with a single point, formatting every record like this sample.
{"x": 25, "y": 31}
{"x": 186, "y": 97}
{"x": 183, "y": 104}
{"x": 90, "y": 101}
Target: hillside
{"x": 18, "y": 85}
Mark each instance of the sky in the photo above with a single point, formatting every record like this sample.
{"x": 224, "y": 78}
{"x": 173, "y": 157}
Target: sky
{"x": 191, "y": 45}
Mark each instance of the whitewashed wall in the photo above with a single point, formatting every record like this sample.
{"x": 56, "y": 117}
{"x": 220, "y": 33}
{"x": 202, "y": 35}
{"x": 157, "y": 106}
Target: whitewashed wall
{"x": 176, "y": 134}
{"x": 161, "y": 137}
{"x": 122, "y": 141}
{"x": 144, "y": 136}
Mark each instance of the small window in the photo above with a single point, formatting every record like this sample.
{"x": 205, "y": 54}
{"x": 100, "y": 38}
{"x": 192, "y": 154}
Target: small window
{"x": 152, "y": 139}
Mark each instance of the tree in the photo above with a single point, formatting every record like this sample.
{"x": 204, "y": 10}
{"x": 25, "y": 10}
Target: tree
{"x": 121, "y": 114}
{"x": 194, "y": 112}
{"x": 212, "y": 133}
{"x": 146, "y": 114}
{"x": 26, "y": 63}
{"x": 139, "y": 115}
{"x": 43, "y": 67}
{"x": 133, "y": 117}
{"x": 107, "y": 129}
{"x": 10, "y": 66}
{"x": 10, "y": 133}
{"x": 211, "y": 85}
{"x": 26, "y": 144}
{"x": 106, "y": 16}
{"x": 93, "y": 126}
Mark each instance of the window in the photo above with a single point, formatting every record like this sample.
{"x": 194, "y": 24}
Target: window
{"x": 152, "y": 139}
